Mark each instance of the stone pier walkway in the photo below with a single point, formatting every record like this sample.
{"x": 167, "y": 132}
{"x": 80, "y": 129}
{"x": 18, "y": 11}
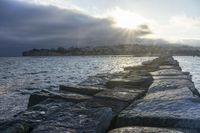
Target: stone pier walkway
{"x": 156, "y": 97}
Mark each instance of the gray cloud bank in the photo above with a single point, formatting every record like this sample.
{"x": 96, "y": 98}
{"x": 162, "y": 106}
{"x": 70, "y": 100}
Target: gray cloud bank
{"x": 25, "y": 26}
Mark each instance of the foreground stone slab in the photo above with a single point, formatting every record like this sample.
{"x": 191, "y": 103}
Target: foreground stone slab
{"x": 87, "y": 90}
{"x": 125, "y": 95}
{"x": 77, "y": 119}
{"x": 25, "y": 121}
{"x": 40, "y": 112}
{"x": 144, "y": 130}
{"x": 14, "y": 126}
{"x": 38, "y": 97}
{"x": 174, "y": 108}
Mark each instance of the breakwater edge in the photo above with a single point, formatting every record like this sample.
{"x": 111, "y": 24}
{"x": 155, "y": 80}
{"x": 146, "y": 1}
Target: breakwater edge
{"x": 157, "y": 96}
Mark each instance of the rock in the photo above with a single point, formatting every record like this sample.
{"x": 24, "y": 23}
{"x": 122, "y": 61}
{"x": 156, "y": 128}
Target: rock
{"x": 140, "y": 68}
{"x": 116, "y": 105}
{"x": 87, "y": 90}
{"x": 144, "y": 130}
{"x": 125, "y": 95}
{"x": 174, "y": 108}
{"x": 77, "y": 119}
{"x": 166, "y": 84}
{"x": 40, "y": 112}
{"x": 162, "y": 61}
{"x": 141, "y": 81}
{"x": 14, "y": 126}
{"x": 170, "y": 67}
{"x": 38, "y": 97}
{"x": 187, "y": 77}
{"x": 167, "y": 72}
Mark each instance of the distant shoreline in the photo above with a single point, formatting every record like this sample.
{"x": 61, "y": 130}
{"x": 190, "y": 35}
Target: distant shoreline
{"x": 130, "y": 50}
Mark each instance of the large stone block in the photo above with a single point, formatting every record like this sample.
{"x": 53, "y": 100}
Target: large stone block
{"x": 14, "y": 126}
{"x": 87, "y": 90}
{"x": 148, "y": 130}
{"x": 38, "y": 97}
{"x": 25, "y": 121}
{"x": 116, "y": 105}
{"x": 77, "y": 119}
{"x": 174, "y": 108}
{"x": 167, "y": 72}
{"x": 122, "y": 94}
{"x": 166, "y": 84}
{"x": 141, "y": 81}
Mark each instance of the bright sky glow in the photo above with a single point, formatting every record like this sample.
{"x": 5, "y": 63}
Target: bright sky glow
{"x": 168, "y": 19}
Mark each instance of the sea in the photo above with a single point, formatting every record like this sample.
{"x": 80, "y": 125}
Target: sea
{"x": 21, "y": 76}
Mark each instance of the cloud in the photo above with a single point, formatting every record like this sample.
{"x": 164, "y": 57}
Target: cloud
{"x": 185, "y": 21}
{"x": 25, "y": 26}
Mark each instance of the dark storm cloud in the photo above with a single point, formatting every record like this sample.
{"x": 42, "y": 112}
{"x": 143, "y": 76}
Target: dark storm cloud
{"x": 25, "y": 26}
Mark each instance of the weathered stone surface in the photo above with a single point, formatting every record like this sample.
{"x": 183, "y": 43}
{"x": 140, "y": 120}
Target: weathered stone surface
{"x": 141, "y": 67}
{"x": 144, "y": 130}
{"x": 38, "y": 97}
{"x": 40, "y": 112}
{"x": 162, "y": 61}
{"x": 169, "y": 67}
{"x": 187, "y": 77}
{"x": 165, "y": 84}
{"x": 116, "y": 105}
{"x": 167, "y": 72}
{"x": 27, "y": 120}
{"x": 87, "y": 90}
{"x": 14, "y": 126}
{"x": 77, "y": 119}
{"x": 131, "y": 81}
{"x": 125, "y": 95}
{"x": 175, "y": 108}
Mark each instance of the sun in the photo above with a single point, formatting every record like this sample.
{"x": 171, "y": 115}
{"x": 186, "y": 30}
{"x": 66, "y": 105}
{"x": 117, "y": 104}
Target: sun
{"x": 126, "y": 19}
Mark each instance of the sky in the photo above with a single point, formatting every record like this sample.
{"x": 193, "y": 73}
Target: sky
{"x": 64, "y": 23}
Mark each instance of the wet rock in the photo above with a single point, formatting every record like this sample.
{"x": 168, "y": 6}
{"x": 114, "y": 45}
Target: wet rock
{"x": 87, "y": 90}
{"x": 131, "y": 81}
{"x": 140, "y": 68}
{"x": 77, "y": 119}
{"x": 162, "y": 61}
{"x": 167, "y": 72}
{"x": 38, "y": 97}
{"x": 144, "y": 130}
{"x": 175, "y": 108}
{"x": 170, "y": 67}
{"x": 125, "y": 95}
{"x": 40, "y": 112}
{"x": 187, "y": 77}
{"x": 14, "y": 126}
{"x": 166, "y": 84}
{"x": 116, "y": 105}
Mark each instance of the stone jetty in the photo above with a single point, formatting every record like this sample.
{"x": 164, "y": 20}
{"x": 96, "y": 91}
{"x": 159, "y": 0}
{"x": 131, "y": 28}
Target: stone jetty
{"x": 155, "y": 97}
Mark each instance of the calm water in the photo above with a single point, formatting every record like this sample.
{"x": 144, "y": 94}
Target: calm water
{"x": 30, "y": 74}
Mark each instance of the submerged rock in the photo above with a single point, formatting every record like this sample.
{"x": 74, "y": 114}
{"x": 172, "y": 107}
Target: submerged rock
{"x": 38, "y": 97}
